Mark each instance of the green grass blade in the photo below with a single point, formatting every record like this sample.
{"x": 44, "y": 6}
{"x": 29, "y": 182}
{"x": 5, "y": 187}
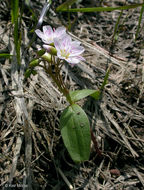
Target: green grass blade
{"x": 101, "y": 9}
{"x": 15, "y": 15}
{"x": 14, "y": 10}
{"x": 105, "y": 79}
{"x": 80, "y": 94}
{"x": 65, "y": 5}
{"x": 5, "y": 55}
{"x": 117, "y": 24}
{"x": 140, "y": 19}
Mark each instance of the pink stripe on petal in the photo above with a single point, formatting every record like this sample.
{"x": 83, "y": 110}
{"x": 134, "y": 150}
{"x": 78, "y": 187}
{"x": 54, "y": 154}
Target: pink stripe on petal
{"x": 76, "y": 52}
{"x": 47, "y": 30}
{"x": 57, "y": 44}
{"x": 60, "y": 31}
{"x": 66, "y": 41}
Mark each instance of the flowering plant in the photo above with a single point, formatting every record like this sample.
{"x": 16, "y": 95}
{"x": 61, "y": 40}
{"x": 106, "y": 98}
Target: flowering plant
{"x": 66, "y": 48}
{"x": 58, "y": 47}
{"x": 48, "y": 35}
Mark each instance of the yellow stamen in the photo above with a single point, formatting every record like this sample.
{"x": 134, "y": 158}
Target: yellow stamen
{"x": 64, "y": 53}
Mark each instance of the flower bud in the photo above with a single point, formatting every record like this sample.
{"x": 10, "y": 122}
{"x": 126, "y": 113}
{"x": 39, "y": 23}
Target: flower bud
{"x": 41, "y": 52}
{"x": 50, "y": 49}
{"x": 27, "y": 73}
{"x": 34, "y": 63}
{"x": 47, "y": 57}
{"x": 34, "y": 72}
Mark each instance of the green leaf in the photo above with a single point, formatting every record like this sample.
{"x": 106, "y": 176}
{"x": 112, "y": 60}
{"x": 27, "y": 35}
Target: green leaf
{"x": 99, "y": 9}
{"x": 96, "y": 95}
{"x": 5, "y": 55}
{"x": 80, "y": 94}
{"x": 65, "y": 5}
{"x": 75, "y": 131}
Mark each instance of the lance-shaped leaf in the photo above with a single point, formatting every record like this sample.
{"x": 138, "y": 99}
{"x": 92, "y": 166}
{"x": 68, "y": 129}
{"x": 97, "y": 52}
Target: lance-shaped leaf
{"x": 80, "y": 94}
{"x": 75, "y": 131}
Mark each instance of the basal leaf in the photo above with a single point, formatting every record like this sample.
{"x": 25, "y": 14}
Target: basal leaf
{"x": 75, "y": 131}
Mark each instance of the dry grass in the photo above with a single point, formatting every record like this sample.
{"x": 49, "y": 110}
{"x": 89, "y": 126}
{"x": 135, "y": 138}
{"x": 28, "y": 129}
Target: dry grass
{"x": 32, "y": 153}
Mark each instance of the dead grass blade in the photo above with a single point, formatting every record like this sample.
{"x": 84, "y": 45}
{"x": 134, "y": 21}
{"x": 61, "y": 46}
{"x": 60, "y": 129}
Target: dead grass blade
{"x": 139, "y": 175}
{"x": 121, "y": 133}
{"x": 119, "y": 61}
{"x": 15, "y": 158}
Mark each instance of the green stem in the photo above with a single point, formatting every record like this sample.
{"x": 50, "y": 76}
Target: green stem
{"x": 58, "y": 82}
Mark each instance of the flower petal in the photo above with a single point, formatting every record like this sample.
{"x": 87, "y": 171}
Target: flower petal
{"x": 66, "y": 41}
{"x": 39, "y": 33}
{"x": 57, "y": 44}
{"x": 73, "y": 60}
{"x": 81, "y": 58}
{"x": 75, "y": 43}
{"x": 76, "y": 50}
{"x": 59, "y": 31}
{"x": 48, "y": 31}
{"x": 59, "y": 56}
{"x": 47, "y": 47}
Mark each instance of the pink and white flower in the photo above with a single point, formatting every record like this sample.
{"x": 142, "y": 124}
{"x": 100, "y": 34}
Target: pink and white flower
{"x": 69, "y": 50}
{"x": 49, "y": 34}
{"x": 64, "y": 47}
